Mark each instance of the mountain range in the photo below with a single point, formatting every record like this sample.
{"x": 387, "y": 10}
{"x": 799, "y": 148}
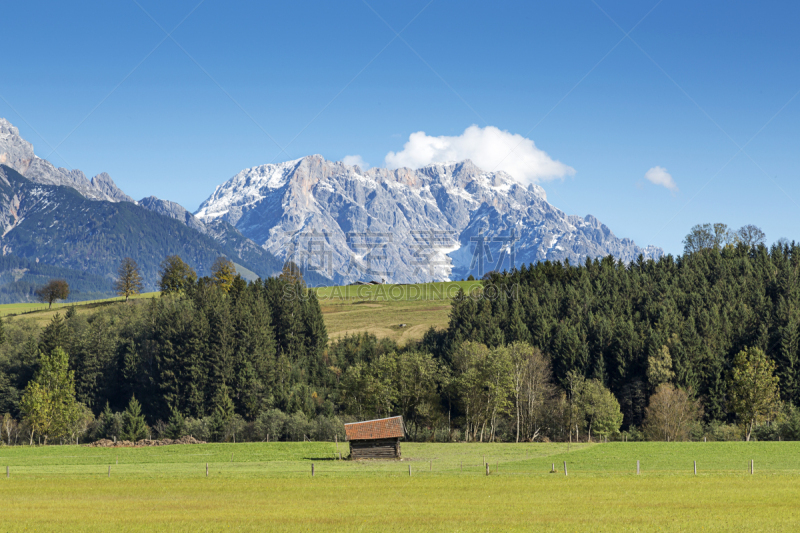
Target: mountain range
{"x": 340, "y": 223}
{"x": 443, "y": 221}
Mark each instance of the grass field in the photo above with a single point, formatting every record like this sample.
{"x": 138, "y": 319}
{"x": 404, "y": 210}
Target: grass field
{"x": 381, "y": 309}
{"x": 42, "y": 314}
{"x": 255, "y": 487}
{"x": 377, "y": 309}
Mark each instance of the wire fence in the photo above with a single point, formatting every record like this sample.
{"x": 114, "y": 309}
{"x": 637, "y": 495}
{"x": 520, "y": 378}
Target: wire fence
{"x": 345, "y": 469}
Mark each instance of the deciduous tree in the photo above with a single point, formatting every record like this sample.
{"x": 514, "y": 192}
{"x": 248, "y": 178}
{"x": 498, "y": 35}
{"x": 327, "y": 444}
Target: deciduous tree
{"x": 175, "y": 276}
{"x": 223, "y": 271}
{"x": 708, "y": 236}
{"x": 670, "y": 414}
{"x": 55, "y": 289}
{"x": 48, "y": 404}
{"x": 754, "y": 388}
{"x": 531, "y": 387}
{"x": 751, "y": 235}
{"x": 599, "y": 408}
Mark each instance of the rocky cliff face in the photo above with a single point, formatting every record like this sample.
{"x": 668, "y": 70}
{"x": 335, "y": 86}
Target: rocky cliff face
{"x": 172, "y": 210}
{"x": 439, "y": 222}
{"x": 17, "y": 153}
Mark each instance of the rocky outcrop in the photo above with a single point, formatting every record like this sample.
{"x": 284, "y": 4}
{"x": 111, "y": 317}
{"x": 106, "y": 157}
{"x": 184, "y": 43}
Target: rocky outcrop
{"x": 172, "y": 210}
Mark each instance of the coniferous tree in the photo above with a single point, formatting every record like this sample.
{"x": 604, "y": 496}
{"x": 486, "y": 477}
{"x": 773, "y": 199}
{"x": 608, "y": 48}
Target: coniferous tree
{"x": 55, "y": 335}
{"x": 134, "y": 427}
{"x": 176, "y": 425}
{"x": 129, "y": 279}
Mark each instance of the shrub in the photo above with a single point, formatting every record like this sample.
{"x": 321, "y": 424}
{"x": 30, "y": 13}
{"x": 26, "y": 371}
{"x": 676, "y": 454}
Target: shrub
{"x": 269, "y": 426}
{"x": 327, "y": 428}
{"x": 199, "y": 428}
{"x": 719, "y": 431}
{"x": 789, "y": 428}
{"x": 298, "y": 427}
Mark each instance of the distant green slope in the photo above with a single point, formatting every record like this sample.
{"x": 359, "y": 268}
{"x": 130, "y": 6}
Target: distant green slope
{"x": 19, "y": 279}
{"x": 57, "y": 226}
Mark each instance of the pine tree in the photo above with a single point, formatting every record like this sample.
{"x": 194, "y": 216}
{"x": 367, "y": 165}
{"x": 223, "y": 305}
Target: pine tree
{"x": 134, "y": 427}
{"x": 55, "y": 335}
{"x": 176, "y": 425}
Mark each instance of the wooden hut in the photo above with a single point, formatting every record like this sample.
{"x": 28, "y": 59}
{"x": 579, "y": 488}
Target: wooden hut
{"x": 375, "y": 439}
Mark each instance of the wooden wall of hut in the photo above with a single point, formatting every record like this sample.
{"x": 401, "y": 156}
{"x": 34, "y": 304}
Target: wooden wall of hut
{"x": 375, "y": 449}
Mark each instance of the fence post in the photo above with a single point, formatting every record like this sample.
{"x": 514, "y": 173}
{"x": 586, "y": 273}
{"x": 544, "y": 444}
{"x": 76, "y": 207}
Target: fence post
{"x": 7, "y": 473}
{"x": 637, "y": 467}
{"x": 565, "y": 468}
{"x": 109, "y": 470}
{"x": 695, "y": 468}
{"x": 409, "y": 470}
{"x": 751, "y": 467}
{"x": 487, "y": 469}
{"x": 206, "y": 469}
{"x": 312, "y": 469}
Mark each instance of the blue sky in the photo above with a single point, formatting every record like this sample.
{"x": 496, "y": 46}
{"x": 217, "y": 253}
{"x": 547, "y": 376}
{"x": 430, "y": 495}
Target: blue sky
{"x": 706, "y": 92}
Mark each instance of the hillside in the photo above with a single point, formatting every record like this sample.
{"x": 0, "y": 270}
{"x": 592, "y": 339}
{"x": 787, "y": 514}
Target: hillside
{"x": 347, "y": 310}
{"x": 19, "y": 279}
{"x": 56, "y": 225}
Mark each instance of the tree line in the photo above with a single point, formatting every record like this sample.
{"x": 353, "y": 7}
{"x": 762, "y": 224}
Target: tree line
{"x": 704, "y": 345}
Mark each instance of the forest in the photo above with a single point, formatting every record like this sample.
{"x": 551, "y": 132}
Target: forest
{"x": 700, "y": 346}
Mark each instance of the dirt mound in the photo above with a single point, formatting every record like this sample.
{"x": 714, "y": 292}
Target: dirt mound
{"x": 107, "y": 443}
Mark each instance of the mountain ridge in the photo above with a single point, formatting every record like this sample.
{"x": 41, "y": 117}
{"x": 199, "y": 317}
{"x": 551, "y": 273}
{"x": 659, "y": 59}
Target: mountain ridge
{"x": 17, "y": 153}
{"x": 438, "y": 222}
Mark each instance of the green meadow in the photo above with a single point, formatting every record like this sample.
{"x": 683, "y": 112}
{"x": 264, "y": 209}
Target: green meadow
{"x": 269, "y": 487}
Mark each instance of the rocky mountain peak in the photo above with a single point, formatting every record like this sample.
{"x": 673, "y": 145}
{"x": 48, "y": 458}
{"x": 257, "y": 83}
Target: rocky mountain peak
{"x": 404, "y": 225}
{"x": 15, "y": 152}
{"x": 18, "y": 154}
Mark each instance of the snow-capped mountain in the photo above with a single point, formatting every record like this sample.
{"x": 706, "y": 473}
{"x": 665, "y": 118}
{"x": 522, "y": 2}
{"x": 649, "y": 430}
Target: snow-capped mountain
{"x": 443, "y": 221}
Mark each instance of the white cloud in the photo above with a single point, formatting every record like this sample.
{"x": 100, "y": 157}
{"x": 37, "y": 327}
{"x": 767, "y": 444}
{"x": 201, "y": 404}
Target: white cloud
{"x": 660, "y": 176}
{"x": 490, "y": 148}
{"x": 355, "y": 160}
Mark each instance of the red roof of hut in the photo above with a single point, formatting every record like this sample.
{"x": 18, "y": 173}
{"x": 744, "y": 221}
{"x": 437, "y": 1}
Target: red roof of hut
{"x": 384, "y": 428}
